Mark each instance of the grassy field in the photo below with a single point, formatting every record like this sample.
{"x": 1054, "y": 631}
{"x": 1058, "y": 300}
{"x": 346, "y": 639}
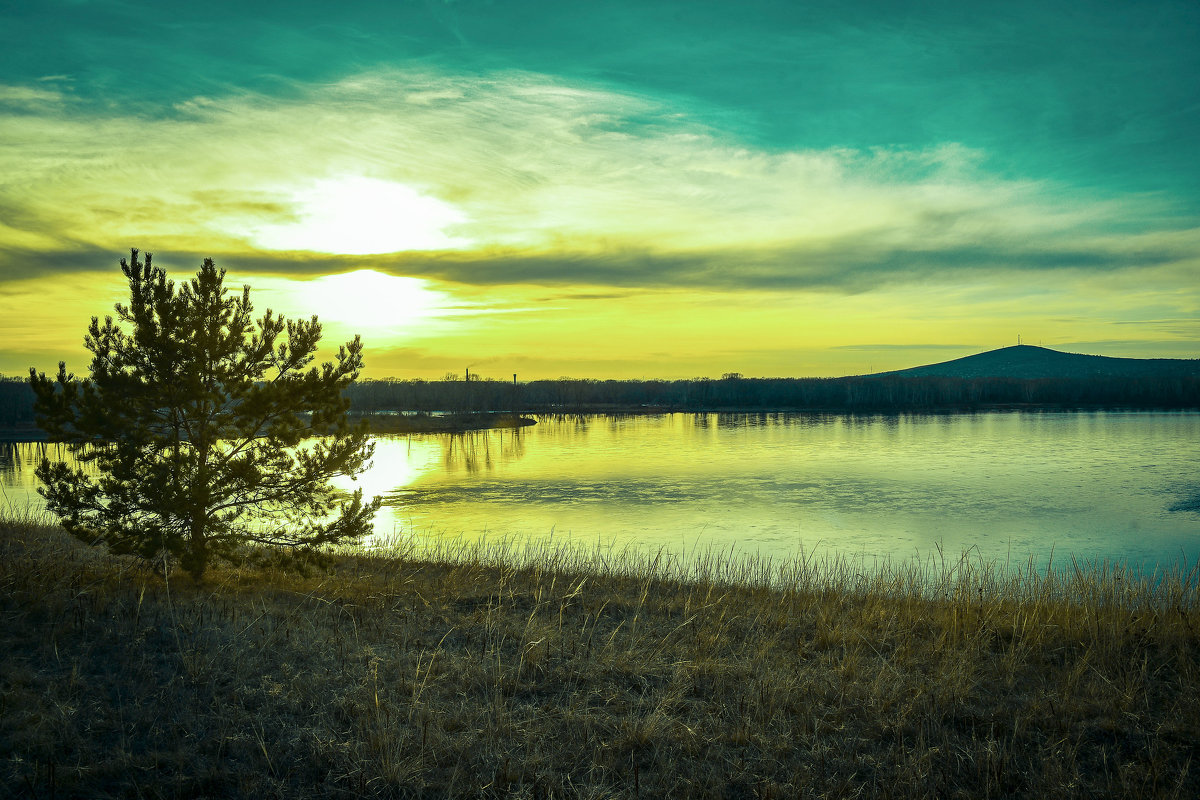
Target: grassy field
{"x": 502, "y": 671}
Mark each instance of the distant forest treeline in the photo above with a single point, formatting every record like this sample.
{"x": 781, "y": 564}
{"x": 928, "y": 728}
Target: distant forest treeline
{"x": 882, "y": 393}
{"x": 16, "y": 402}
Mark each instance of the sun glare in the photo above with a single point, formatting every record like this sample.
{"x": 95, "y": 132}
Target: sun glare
{"x": 364, "y": 216}
{"x": 368, "y": 300}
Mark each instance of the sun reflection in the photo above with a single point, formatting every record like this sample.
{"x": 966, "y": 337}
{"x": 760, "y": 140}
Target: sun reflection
{"x": 363, "y": 216}
{"x": 397, "y": 464}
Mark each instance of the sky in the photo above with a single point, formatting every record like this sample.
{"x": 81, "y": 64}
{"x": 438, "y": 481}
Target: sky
{"x": 614, "y": 189}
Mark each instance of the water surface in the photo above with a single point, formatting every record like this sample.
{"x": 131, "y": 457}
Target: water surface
{"x": 1122, "y": 486}
{"x": 1118, "y": 486}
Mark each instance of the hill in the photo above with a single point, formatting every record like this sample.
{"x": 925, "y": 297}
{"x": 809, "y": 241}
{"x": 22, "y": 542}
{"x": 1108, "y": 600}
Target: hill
{"x": 1029, "y": 362}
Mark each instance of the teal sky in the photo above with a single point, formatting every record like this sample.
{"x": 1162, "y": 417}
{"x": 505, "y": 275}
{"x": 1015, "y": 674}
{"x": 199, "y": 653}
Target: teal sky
{"x": 612, "y": 158}
{"x": 1105, "y": 95}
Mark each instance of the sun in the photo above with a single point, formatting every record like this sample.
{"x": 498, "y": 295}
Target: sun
{"x": 374, "y": 302}
{"x": 356, "y": 215}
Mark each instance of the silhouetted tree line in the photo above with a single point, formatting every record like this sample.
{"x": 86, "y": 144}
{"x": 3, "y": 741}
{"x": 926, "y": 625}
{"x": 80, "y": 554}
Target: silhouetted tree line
{"x": 16, "y": 402}
{"x": 856, "y": 394}
{"x": 880, "y": 393}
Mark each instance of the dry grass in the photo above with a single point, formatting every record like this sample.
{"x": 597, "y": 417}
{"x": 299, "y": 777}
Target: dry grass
{"x": 507, "y": 672}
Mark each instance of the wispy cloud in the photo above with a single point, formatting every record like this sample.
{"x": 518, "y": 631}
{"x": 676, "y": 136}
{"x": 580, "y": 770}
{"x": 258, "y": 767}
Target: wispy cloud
{"x": 552, "y": 183}
{"x": 905, "y": 347}
{"x": 29, "y": 96}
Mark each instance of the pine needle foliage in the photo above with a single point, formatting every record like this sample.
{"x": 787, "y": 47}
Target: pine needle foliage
{"x": 201, "y": 429}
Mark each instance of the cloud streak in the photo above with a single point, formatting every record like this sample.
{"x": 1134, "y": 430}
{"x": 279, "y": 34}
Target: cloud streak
{"x": 555, "y": 184}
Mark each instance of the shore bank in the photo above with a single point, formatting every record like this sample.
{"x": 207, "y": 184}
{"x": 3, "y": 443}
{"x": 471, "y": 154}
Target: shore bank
{"x": 423, "y": 422}
{"x": 377, "y": 423}
{"x": 22, "y": 433}
{"x": 473, "y": 671}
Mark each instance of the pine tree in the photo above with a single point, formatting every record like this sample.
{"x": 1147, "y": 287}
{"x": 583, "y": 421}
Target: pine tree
{"x": 202, "y": 430}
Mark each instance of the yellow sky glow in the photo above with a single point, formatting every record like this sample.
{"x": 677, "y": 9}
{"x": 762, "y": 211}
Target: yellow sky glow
{"x": 515, "y": 226}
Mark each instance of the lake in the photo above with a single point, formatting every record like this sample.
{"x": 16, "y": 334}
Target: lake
{"x": 1004, "y": 485}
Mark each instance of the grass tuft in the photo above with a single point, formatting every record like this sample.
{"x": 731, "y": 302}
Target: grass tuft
{"x": 506, "y": 669}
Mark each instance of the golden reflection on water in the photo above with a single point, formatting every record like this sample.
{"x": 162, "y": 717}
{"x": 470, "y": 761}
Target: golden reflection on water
{"x": 1009, "y": 485}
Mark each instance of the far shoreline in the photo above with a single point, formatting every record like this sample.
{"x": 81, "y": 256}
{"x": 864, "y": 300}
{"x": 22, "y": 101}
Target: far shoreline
{"x": 407, "y": 422}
